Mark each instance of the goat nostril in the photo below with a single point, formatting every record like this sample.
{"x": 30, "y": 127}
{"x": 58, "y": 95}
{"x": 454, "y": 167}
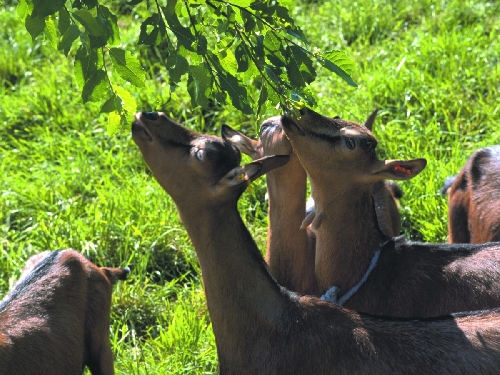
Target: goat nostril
{"x": 151, "y": 115}
{"x": 303, "y": 111}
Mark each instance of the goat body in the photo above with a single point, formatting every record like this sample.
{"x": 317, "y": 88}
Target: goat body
{"x": 55, "y": 320}
{"x": 474, "y": 199}
{"x": 262, "y": 328}
{"x": 410, "y": 279}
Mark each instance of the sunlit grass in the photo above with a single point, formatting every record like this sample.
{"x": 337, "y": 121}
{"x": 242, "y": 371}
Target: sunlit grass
{"x": 431, "y": 67}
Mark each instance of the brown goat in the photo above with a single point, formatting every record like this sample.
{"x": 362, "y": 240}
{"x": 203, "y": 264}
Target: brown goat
{"x": 474, "y": 199}
{"x": 262, "y": 328}
{"x": 371, "y": 272}
{"x": 55, "y": 320}
{"x": 290, "y": 250}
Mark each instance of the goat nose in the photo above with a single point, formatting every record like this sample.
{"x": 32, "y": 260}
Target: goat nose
{"x": 151, "y": 115}
{"x": 303, "y": 111}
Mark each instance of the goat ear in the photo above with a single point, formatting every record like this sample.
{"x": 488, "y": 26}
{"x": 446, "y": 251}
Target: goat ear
{"x": 398, "y": 169}
{"x": 267, "y": 163}
{"x": 243, "y": 143}
{"x": 370, "y": 120}
{"x": 249, "y": 172}
{"x": 387, "y": 223}
{"x": 115, "y": 274}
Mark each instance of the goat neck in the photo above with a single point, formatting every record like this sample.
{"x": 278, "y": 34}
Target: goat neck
{"x": 202, "y": 175}
{"x": 340, "y": 159}
{"x": 290, "y": 248}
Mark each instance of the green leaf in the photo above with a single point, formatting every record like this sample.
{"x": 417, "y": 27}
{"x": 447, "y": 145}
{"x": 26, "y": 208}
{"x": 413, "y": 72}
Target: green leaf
{"x": 283, "y": 15}
{"x": 150, "y": 37}
{"x": 127, "y": 66}
{"x": 271, "y": 41}
{"x": 177, "y": 65}
{"x": 71, "y": 34}
{"x": 35, "y": 25}
{"x": 128, "y": 103}
{"x": 89, "y": 22}
{"x": 229, "y": 62}
{"x": 200, "y": 85}
{"x": 272, "y": 76}
{"x": 220, "y": 97}
{"x": 262, "y": 98}
{"x": 184, "y": 35}
{"x": 96, "y": 87}
{"x": 51, "y": 31}
{"x": 24, "y": 9}
{"x": 241, "y": 3}
{"x": 64, "y": 21}
{"x": 114, "y": 103}
{"x": 85, "y": 65}
{"x": 109, "y": 23}
{"x": 44, "y": 8}
{"x": 241, "y": 57}
{"x": 340, "y": 59}
{"x": 300, "y": 69}
{"x": 249, "y": 21}
{"x": 297, "y": 33}
{"x": 236, "y": 92}
{"x": 340, "y": 64}
{"x": 114, "y": 122}
{"x": 201, "y": 45}
{"x": 89, "y": 4}
{"x": 170, "y": 8}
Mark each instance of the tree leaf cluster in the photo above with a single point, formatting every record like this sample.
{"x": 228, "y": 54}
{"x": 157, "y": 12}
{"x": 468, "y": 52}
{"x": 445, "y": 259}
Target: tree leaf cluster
{"x": 223, "y": 47}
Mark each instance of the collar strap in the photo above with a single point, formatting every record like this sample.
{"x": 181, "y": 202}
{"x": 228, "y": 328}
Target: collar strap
{"x": 331, "y": 295}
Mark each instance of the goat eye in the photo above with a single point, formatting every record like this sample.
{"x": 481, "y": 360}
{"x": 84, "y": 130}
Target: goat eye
{"x": 200, "y": 154}
{"x": 350, "y": 143}
{"x": 263, "y": 128}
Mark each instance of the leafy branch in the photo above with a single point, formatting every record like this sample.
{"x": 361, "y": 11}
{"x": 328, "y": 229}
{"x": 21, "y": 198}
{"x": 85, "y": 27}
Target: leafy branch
{"x": 229, "y": 50}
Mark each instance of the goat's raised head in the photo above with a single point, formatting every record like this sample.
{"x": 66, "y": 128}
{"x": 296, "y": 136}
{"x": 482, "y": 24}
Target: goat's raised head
{"x": 326, "y": 144}
{"x": 194, "y": 165}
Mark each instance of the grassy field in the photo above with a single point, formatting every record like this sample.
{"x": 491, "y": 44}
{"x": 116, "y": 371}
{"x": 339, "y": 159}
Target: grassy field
{"x": 432, "y": 67}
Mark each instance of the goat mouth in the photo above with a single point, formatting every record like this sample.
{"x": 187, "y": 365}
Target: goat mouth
{"x": 139, "y": 130}
{"x": 290, "y": 125}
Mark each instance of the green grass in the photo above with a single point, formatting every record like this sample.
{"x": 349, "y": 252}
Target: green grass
{"x": 431, "y": 67}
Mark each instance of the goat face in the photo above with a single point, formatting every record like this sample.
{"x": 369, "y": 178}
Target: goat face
{"x": 326, "y": 144}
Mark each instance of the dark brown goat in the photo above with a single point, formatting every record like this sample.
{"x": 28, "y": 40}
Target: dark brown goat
{"x": 55, "y": 320}
{"x": 371, "y": 272}
{"x": 474, "y": 199}
{"x": 262, "y": 328}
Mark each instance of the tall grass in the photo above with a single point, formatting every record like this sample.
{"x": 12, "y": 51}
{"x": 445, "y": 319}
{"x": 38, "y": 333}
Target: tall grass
{"x": 431, "y": 67}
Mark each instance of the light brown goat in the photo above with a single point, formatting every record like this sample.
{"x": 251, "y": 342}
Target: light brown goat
{"x": 371, "y": 272}
{"x": 262, "y": 328}
{"x": 290, "y": 250}
{"x": 474, "y": 199}
{"x": 55, "y": 320}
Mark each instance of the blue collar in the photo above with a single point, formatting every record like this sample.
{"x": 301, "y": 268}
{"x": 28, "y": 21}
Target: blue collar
{"x": 331, "y": 295}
